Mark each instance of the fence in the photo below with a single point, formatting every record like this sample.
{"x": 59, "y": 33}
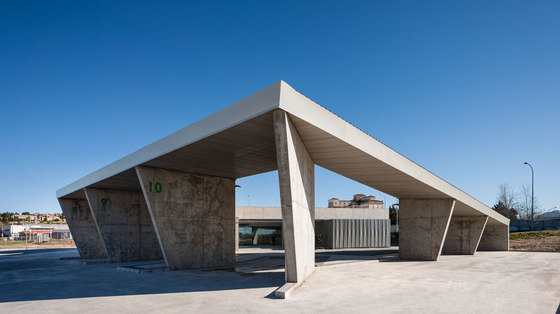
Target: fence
{"x": 525, "y": 225}
{"x": 355, "y": 233}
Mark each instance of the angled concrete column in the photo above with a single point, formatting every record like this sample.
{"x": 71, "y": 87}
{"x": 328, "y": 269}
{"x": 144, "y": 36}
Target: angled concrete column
{"x": 423, "y": 225}
{"x": 84, "y": 231}
{"x": 194, "y": 217}
{"x": 494, "y": 238}
{"x": 297, "y": 195}
{"x": 124, "y": 224}
{"x": 463, "y": 234}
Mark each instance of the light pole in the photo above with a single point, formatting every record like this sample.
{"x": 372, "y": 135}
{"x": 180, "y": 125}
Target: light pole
{"x": 532, "y": 192}
{"x": 236, "y": 187}
{"x": 397, "y": 212}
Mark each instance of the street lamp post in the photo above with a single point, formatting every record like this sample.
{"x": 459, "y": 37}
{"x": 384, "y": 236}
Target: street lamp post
{"x": 397, "y": 212}
{"x": 532, "y": 192}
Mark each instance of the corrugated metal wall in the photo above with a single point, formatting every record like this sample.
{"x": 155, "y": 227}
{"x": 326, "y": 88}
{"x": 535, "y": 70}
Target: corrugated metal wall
{"x": 355, "y": 233}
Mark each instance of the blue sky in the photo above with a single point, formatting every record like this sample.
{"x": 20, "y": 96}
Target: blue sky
{"x": 469, "y": 90}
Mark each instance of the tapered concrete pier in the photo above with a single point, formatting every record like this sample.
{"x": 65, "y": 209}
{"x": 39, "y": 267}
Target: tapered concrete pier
{"x": 194, "y": 216}
{"x": 124, "y": 223}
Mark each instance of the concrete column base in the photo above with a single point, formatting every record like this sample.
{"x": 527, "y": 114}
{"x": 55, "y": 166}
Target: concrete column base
{"x": 494, "y": 238}
{"x": 124, "y": 224}
{"x": 194, "y": 217}
{"x": 423, "y": 225}
{"x": 297, "y": 195}
{"x": 463, "y": 234}
{"x": 84, "y": 230}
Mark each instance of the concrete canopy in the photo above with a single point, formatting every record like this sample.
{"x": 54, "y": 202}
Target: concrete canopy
{"x": 239, "y": 141}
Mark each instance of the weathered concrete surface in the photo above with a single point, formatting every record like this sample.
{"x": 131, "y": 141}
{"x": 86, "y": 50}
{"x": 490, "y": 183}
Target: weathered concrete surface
{"x": 194, "y": 216}
{"x": 423, "y": 225}
{"x": 124, "y": 224}
{"x": 463, "y": 234}
{"x": 83, "y": 228}
{"x": 297, "y": 196}
{"x": 494, "y": 238}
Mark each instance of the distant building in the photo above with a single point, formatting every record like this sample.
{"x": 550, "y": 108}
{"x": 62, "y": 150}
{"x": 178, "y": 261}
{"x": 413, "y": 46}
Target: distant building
{"x": 45, "y": 231}
{"x": 358, "y": 201}
{"x": 25, "y": 217}
{"x": 12, "y": 231}
{"x": 51, "y": 218}
{"x": 555, "y": 214}
{"x": 60, "y": 234}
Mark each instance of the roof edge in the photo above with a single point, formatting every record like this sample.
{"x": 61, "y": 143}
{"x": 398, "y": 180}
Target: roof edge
{"x": 295, "y": 103}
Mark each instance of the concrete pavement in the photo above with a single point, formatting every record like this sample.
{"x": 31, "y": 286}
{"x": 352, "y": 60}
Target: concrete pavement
{"x": 491, "y": 282}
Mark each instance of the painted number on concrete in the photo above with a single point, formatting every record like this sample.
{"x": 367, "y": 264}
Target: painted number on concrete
{"x": 155, "y": 187}
{"x": 104, "y": 201}
{"x": 74, "y": 209}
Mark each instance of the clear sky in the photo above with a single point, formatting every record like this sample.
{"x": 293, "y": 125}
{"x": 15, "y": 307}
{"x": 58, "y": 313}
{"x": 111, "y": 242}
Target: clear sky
{"x": 469, "y": 90}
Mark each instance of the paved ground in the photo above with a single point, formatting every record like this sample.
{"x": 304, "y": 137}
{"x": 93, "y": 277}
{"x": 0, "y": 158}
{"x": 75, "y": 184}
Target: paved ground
{"x": 364, "y": 281}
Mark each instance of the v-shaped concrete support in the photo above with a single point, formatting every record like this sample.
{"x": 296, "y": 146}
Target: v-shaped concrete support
{"x": 124, "y": 224}
{"x": 297, "y": 195}
{"x": 463, "y": 235}
{"x": 193, "y": 215}
{"x": 84, "y": 230}
{"x": 423, "y": 225}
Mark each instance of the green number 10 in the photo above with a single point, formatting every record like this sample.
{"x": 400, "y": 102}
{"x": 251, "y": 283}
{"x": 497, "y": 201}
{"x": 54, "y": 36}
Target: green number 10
{"x": 156, "y": 187}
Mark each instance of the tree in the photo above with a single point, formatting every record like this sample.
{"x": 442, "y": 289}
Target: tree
{"x": 507, "y": 196}
{"x": 501, "y": 208}
{"x": 393, "y": 214}
{"x": 507, "y": 202}
{"x": 525, "y": 203}
{"x": 25, "y": 213}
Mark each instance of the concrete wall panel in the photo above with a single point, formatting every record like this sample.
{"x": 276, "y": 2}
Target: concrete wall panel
{"x": 194, "y": 216}
{"x": 463, "y": 234}
{"x": 84, "y": 230}
{"x": 297, "y": 196}
{"x": 423, "y": 225}
{"x": 494, "y": 238}
{"x": 321, "y": 213}
{"x": 124, "y": 224}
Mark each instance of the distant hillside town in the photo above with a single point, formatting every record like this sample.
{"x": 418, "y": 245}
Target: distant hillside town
{"x": 358, "y": 201}
{"x": 36, "y": 218}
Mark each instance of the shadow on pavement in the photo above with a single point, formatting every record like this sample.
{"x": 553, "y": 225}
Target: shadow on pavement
{"x": 41, "y": 275}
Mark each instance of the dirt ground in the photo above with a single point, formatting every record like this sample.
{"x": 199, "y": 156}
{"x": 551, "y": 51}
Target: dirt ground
{"x": 545, "y": 241}
{"x": 43, "y": 245}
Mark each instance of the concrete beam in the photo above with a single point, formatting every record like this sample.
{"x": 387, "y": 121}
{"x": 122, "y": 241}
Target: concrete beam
{"x": 194, "y": 217}
{"x": 297, "y": 196}
{"x": 494, "y": 238}
{"x": 463, "y": 234}
{"x": 124, "y": 224}
{"x": 84, "y": 230}
{"x": 423, "y": 225}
